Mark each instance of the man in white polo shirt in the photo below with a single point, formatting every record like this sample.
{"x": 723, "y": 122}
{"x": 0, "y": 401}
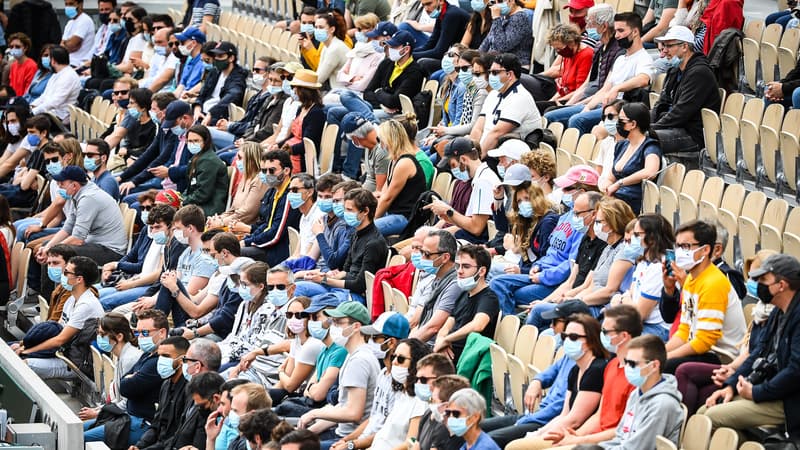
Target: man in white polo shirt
{"x": 78, "y": 37}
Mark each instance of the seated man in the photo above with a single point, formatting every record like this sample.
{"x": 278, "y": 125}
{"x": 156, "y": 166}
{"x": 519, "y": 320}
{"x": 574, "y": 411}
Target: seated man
{"x": 172, "y": 398}
{"x": 267, "y": 240}
{"x": 143, "y": 263}
{"x": 95, "y": 160}
{"x": 476, "y": 310}
{"x": 223, "y": 433}
{"x": 303, "y": 199}
{"x": 23, "y": 188}
{"x": 62, "y": 89}
{"x": 357, "y": 378}
{"x": 507, "y": 108}
{"x": 163, "y": 64}
{"x": 243, "y": 398}
{"x": 676, "y": 115}
{"x": 367, "y": 253}
{"x": 223, "y": 85}
{"x": 363, "y": 134}
{"x": 203, "y": 355}
{"x": 654, "y": 407}
{"x": 204, "y": 390}
{"x": 438, "y": 247}
{"x": 463, "y": 157}
{"x": 631, "y": 71}
{"x": 57, "y": 258}
{"x": 436, "y": 375}
{"x": 763, "y": 391}
{"x": 711, "y": 312}
{"x": 787, "y": 90}
{"x": 79, "y": 311}
{"x": 331, "y": 236}
{"x": 191, "y": 44}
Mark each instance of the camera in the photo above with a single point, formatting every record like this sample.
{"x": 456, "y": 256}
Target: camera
{"x": 178, "y": 331}
{"x": 763, "y": 369}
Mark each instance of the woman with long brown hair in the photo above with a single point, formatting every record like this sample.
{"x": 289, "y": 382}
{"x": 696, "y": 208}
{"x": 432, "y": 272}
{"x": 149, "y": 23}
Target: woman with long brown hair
{"x": 207, "y": 175}
{"x": 309, "y": 120}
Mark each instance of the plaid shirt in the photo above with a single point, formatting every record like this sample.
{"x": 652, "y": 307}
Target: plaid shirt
{"x": 603, "y": 61}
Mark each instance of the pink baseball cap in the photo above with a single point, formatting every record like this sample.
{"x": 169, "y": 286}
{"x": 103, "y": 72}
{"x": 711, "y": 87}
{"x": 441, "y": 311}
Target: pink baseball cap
{"x": 578, "y": 174}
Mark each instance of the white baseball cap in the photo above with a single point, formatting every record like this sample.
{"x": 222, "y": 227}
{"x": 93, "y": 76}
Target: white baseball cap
{"x": 678, "y": 33}
{"x": 512, "y": 148}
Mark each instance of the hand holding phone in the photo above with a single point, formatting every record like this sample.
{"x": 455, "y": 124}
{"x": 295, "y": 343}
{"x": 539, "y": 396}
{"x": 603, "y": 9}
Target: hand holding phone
{"x": 668, "y": 260}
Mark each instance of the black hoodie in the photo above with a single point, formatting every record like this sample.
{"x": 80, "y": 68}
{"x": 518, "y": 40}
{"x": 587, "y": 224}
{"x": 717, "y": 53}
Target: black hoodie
{"x": 684, "y": 94}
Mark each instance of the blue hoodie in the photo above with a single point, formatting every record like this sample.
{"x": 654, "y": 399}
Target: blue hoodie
{"x": 555, "y": 265}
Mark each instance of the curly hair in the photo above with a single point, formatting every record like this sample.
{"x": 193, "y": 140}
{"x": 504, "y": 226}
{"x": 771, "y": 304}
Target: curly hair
{"x": 418, "y": 351}
{"x": 565, "y": 33}
{"x": 542, "y": 162}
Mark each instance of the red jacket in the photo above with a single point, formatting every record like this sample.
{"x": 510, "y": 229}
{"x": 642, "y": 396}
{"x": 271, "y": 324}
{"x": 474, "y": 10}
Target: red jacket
{"x": 400, "y": 277}
{"x": 720, "y": 15}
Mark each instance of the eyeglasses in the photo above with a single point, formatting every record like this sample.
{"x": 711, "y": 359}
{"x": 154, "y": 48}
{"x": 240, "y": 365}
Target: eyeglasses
{"x": 453, "y": 54}
{"x": 606, "y": 332}
{"x": 610, "y": 117}
{"x": 289, "y": 77}
{"x": 464, "y": 68}
{"x": 297, "y": 315}
{"x": 400, "y": 359}
{"x": 120, "y": 92}
{"x": 572, "y": 336}
{"x": 496, "y": 72}
{"x": 68, "y": 273}
{"x": 426, "y": 380}
{"x": 91, "y": 155}
{"x": 259, "y": 69}
{"x": 143, "y": 333}
{"x": 579, "y": 213}
{"x": 634, "y": 364}
{"x": 295, "y": 189}
{"x": 452, "y": 412}
{"x": 688, "y": 245}
{"x": 460, "y": 266}
{"x": 428, "y": 254}
{"x": 280, "y": 287}
{"x": 638, "y": 234}
{"x": 186, "y": 359}
{"x": 54, "y": 159}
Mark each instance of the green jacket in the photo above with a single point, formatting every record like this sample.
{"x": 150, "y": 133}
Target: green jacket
{"x": 208, "y": 183}
{"x": 475, "y": 364}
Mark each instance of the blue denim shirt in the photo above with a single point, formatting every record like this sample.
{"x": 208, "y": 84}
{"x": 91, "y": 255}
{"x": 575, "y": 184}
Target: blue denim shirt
{"x": 555, "y": 377}
{"x": 456, "y": 105}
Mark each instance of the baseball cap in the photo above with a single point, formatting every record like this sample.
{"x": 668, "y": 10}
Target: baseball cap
{"x": 351, "y": 309}
{"x": 224, "y": 48}
{"x": 382, "y": 29}
{"x": 391, "y": 324}
{"x": 352, "y": 121}
{"x": 512, "y": 148}
{"x": 516, "y": 174}
{"x": 401, "y": 38}
{"x": 566, "y": 309}
{"x": 677, "y": 33}
{"x": 16, "y": 102}
{"x": 71, "y": 173}
{"x": 782, "y": 265}
{"x": 455, "y": 148}
{"x": 175, "y": 109}
{"x": 578, "y": 174}
{"x": 191, "y": 34}
{"x": 291, "y": 67}
{"x": 169, "y": 197}
{"x": 322, "y": 302}
{"x": 579, "y": 4}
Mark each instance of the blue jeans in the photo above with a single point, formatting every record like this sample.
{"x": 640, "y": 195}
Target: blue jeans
{"x": 138, "y": 427}
{"x": 311, "y": 289}
{"x": 227, "y": 153}
{"x": 796, "y": 98}
{"x": 221, "y": 138}
{"x": 574, "y": 117}
{"x": 656, "y": 329}
{"x": 167, "y": 304}
{"x": 110, "y": 297}
{"x": 391, "y": 224}
{"x": 22, "y": 224}
{"x": 516, "y": 289}
{"x": 420, "y": 38}
{"x": 779, "y": 17}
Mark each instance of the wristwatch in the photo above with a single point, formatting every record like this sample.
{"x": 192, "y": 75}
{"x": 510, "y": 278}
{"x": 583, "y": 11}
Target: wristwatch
{"x": 351, "y": 445}
{"x": 450, "y": 212}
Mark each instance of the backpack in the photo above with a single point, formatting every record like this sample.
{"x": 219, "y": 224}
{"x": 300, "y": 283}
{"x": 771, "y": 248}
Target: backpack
{"x": 724, "y": 58}
{"x": 422, "y": 106}
{"x": 78, "y": 350}
{"x": 420, "y": 216}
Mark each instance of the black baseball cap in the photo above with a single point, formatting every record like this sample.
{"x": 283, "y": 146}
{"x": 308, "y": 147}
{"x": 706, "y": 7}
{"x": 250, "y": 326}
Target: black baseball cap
{"x": 566, "y": 309}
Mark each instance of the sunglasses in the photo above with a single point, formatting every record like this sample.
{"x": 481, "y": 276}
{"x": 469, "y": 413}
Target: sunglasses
{"x": 452, "y": 412}
{"x": 186, "y": 359}
{"x": 497, "y": 72}
{"x": 426, "y": 380}
{"x": 400, "y": 359}
{"x": 453, "y": 55}
{"x": 173, "y": 44}
{"x": 120, "y": 92}
{"x": 280, "y": 287}
{"x": 289, "y": 77}
{"x": 145, "y": 208}
{"x": 464, "y": 68}
{"x": 297, "y": 315}
{"x": 634, "y": 364}
{"x": 572, "y": 336}
{"x": 269, "y": 171}
{"x": 477, "y": 74}
{"x": 54, "y": 159}
{"x": 143, "y": 333}
{"x": 610, "y": 116}
{"x": 259, "y": 69}
{"x": 295, "y": 189}
{"x": 606, "y": 332}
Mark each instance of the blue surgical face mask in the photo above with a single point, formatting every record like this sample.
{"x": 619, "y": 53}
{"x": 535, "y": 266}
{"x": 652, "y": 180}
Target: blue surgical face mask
{"x": 351, "y": 219}
{"x": 295, "y": 199}
{"x": 501, "y": 170}
{"x": 525, "y": 209}
{"x": 90, "y": 164}
{"x": 459, "y": 174}
{"x": 244, "y": 292}
{"x": 477, "y": 5}
{"x": 194, "y": 147}
{"x": 566, "y": 199}
{"x": 240, "y": 166}
{"x": 64, "y": 282}
{"x": 16, "y": 53}
{"x": 178, "y": 130}
{"x": 63, "y": 194}
{"x": 361, "y": 37}
{"x": 495, "y": 83}
{"x": 320, "y": 35}
{"x": 144, "y": 216}
{"x": 287, "y": 88}
{"x": 465, "y": 77}
{"x": 634, "y": 250}
{"x": 54, "y": 168}
{"x": 752, "y": 288}
{"x": 467, "y": 284}
{"x": 263, "y": 177}
{"x": 606, "y": 341}
{"x": 71, "y": 12}
{"x": 34, "y": 140}
{"x": 134, "y": 113}
{"x": 278, "y": 297}
{"x": 316, "y": 330}
{"x": 457, "y": 425}
{"x": 422, "y": 391}
{"x": 325, "y": 205}
{"x": 610, "y": 126}
{"x": 504, "y": 8}
{"x": 46, "y": 63}
{"x": 146, "y": 344}
{"x": 185, "y": 370}
{"x": 577, "y": 224}
{"x": 338, "y": 209}
{"x": 104, "y": 344}
{"x": 427, "y": 266}
{"x": 154, "y": 117}
{"x": 54, "y": 273}
{"x": 164, "y": 367}
{"x": 233, "y": 420}
{"x": 160, "y": 50}
{"x": 634, "y": 375}
{"x": 573, "y": 349}
{"x": 274, "y": 90}
{"x": 376, "y": 45}
{"x": 434, "y": 14}
{"x": 416, "y": 259}
{"x": 160, "y": 237}
{"x": 307, "y": 28}
{"x": 447, "y": 65}
{"x": 114, "y": 28}
{"x": 147, "y": 37}
{"x": 593, "y": 34}
{"x": 674, "y": 62}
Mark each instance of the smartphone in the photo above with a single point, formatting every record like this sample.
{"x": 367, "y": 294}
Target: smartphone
{"x": 669, "y": 259}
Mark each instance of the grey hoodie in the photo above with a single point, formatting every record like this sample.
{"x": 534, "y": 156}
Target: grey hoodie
{"x": 656, "y": 412}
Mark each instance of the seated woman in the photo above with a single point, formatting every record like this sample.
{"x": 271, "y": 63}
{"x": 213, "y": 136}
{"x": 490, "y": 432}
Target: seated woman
{"x": 511, "y": 31}
{"x": 309, "y": 120}
{"x": 570, "y": 70}
{"x": 636, "y": 158}
{"x": 606, "y": 134}
{"x": 330, "y": 30}
{"x": 362, "y": 62}
{"x": 250, "y": 190}
{"x": 479, "y": 25}
{"x": 41, "y": 77}
{"x": 207, "y": 174}
{"x": 652, "y": 236}
{"x": 472, "y": 68}
{"x": 581, "y": 344}
{"x": 304, "y": 351}
{"x": 406, "y": 180}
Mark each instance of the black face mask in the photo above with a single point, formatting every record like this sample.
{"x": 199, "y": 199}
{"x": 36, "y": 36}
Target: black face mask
{"x": 104, "y": 18}
{"x": 764, "y": 294}
{"x": 621, "y": 130}
{"x": 130, "y": 27}
{"x": 625, "y": 42}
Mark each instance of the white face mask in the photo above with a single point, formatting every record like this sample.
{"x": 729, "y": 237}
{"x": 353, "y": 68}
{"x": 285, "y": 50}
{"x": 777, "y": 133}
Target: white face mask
{"x": 399, "y": 374}
{"x": 598, "y": 231}
{"x": 394, "y": 54}
{"x": 480, "y": 82}
{"x": 180, "y": 237}
{"x": 684, "y": 259}
{"x": 376, "y": 349}
{"x": 337, "y": 335}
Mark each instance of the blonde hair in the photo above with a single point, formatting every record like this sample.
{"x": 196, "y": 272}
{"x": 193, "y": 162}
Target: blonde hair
{"x": 542, "y": 162}
{"x": 394, "y": 136}
{"x": 73, "y": 147}
{"x": 366, "y": 22}
{"x": 618, "y": 214}
{"x": 252, "y": 159}
{"x": 257, "y": 397}
{"x": 130, "y": 81}
{"x": 521, "y": 226}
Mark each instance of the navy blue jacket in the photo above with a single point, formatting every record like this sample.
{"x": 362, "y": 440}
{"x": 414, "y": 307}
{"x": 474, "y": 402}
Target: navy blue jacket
{"x": 232, "y": 91}
{"x": 250, "y": 113}
{"x": 142, "y": 388}
{"x": 445, "y": 33}
{"x": 273, "y": 237}
{"x": 157, "y": 154}
{"x": 133, "y": 261}
{"x": 221, "y": 320}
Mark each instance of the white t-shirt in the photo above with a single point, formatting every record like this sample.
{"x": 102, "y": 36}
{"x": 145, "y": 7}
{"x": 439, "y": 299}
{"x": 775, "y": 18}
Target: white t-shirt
{"x": 152, "y": 258}
{"x": 76, "y": 313}
{"x": 482, "y": 197}
{"x": 288, "y": 113}
{"x": 83, "y": 27}
{"x": 306, "y": 221}
{"x": 214, "y": 99}
{"x": 628, "y": 66}
{"x": 135, "y": 44}
{"x": 382, "y": 403}
{"x": 647, "y": 284}
{"x": 395, "y": 428}
{"x": 515, "y": 106}
{"x": 306, "y": 353}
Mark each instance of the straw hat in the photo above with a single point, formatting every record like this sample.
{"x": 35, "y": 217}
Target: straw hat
{"x": 305, "y": 78}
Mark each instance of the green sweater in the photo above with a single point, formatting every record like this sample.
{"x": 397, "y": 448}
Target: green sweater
{"x": 208, "y": 183}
